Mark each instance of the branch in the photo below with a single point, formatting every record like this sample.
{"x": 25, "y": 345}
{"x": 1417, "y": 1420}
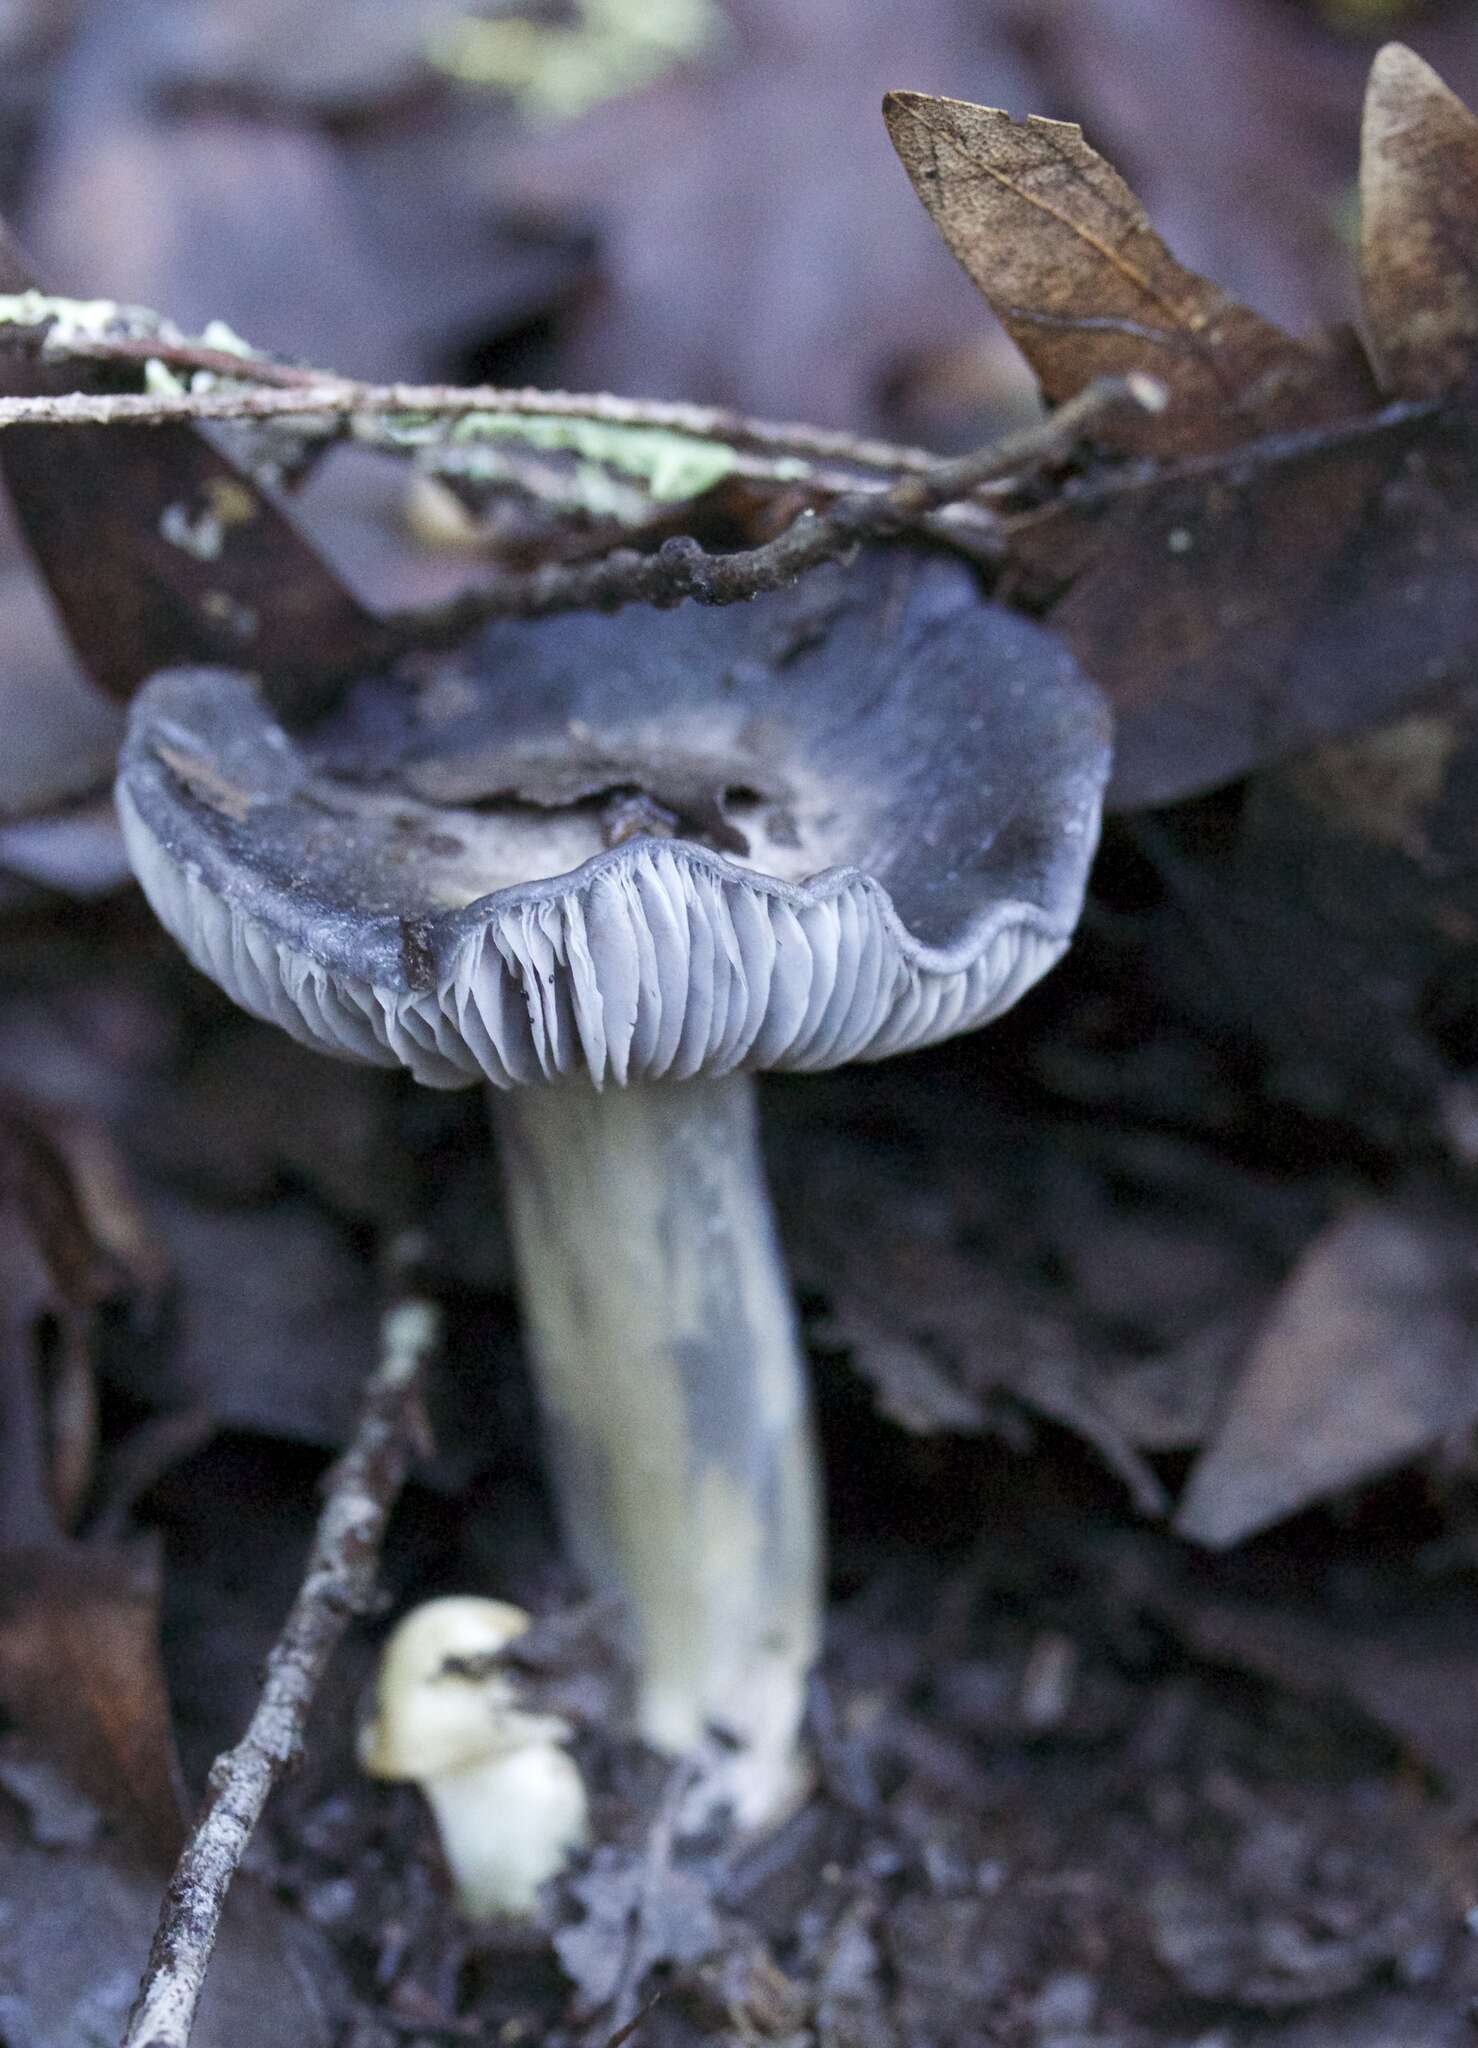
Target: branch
{"x": 682, "y": 568}
{"x": 267, "y": 391}
{"x": 337, "y": 1584}
{"x": 924, "y": 493}
{"x": 1268, "y": 451}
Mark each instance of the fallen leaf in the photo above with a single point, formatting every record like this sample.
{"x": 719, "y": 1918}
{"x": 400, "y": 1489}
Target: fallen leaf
{"x": 107, "y": 515}
{"x": 1232, "y": 124}
{"x": 1369, "y": 1357}
{"x": 52, "y": 1277}
{"x": 1415, "y": 1675}
{"x": 636, "y": 1920}
{"x": 81, "y": 1680}
{"x": 1067, "y": 258}
{"x": 1248, "y": 601}
{"x": 1418, "y": 229}
{"x": 1297, "y": 589}
{"x": 1300, "y": 560}
{"x": 80, "y": 1677}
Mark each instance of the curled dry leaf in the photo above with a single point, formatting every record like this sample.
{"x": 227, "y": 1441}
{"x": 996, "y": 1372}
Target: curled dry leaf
{"x": 1419, "y": 229}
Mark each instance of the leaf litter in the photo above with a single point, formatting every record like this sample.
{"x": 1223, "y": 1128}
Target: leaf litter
{"x": 1027, "y": 1690}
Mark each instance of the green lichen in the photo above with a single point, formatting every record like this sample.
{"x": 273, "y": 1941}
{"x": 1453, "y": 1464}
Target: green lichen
{"x": 556, "y": 73}
{"x": 580, "y": 487}
{"x": 71, "y": 320}
{"x": 614, "y": 471}
{"x": 669, "y": 466}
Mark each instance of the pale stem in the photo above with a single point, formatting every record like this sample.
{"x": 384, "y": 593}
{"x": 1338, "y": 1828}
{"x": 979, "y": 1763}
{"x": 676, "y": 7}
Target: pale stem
{"x": 663, "y": 1341}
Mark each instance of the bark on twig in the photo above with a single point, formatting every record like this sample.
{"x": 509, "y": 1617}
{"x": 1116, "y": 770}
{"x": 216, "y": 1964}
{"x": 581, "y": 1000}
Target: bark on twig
{"x": 338, "y": 1583}
{"x": 266, "y": 390}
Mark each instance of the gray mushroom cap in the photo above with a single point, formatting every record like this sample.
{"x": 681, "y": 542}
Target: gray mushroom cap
{"x": 841, "y": 821}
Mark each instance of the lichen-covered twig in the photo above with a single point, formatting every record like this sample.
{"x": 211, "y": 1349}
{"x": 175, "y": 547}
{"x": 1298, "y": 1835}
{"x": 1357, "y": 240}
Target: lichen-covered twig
{"x": 872, "y": 490}
{"x": 259, "y": 389}
{"x": 338, "y": 1583}
{"x": 682, "y": 568}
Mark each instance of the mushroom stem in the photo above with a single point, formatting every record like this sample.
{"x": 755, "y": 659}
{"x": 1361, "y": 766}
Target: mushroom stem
{"x": 508, "y": 1825}
{"x": 663, "y": 1341}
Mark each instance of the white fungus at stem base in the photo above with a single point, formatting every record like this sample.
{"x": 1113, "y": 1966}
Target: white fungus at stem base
{"x": 509, "y": 1801}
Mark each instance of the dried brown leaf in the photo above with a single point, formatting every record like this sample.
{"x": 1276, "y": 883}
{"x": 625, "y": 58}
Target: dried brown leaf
{"x": 157, "y": 549}
{"x": 1238, "y": 610}
{"x": 51, "y": 1276}
{"x": 81, "y": 1684}
{"x": 1303, "y": 563}
{"x": 1067, "y": 258}
{"x": 1419, "y": 228}
{"x": 71, "y": 1237}
{"x": 81, "y": 1680}
{"x": 1370, "y": 1355}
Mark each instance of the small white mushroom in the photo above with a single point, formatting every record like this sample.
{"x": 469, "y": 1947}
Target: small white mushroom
{"x": 508, "y": 1799}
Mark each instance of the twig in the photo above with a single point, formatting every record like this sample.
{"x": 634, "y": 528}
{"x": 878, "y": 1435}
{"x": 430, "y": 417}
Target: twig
{"x": 1268, "y": 451}
{"x": 266, "y": 390}
{"x": 682, "y": 568}
{"x": 924, "y": 492}
{"x": 338, "y": 1583}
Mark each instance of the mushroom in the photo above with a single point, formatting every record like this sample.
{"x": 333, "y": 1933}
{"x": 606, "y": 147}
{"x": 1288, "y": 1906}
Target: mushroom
{"x": 509, "y": 1802}
{"x": 613, "y": 866}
